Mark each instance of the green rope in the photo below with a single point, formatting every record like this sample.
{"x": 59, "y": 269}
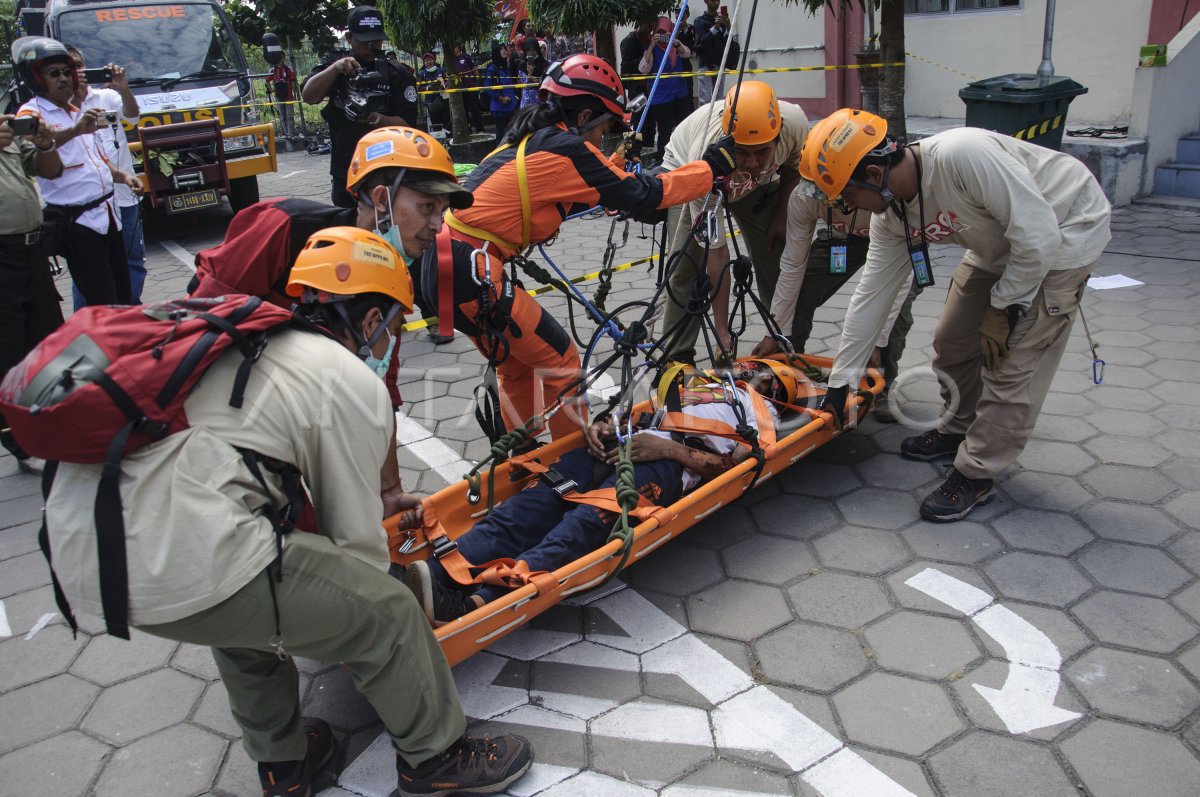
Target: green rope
{"x": 815, "y": 373}
{"x": 497, "y": 454}
{"x": 627, "y": 499}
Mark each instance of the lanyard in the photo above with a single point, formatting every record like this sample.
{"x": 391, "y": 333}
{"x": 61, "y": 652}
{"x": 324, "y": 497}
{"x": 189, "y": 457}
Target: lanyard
{"x": 918, "y": 254}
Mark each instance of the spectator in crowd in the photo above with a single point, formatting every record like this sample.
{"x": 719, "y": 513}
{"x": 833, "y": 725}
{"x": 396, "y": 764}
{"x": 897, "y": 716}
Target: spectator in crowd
{"x": 29, "y": 304}
{"x": 432, "y": 78}
{"x": 498, "y": 90}
{"x": 669, "y": 104}
{"x": 118, "y": 100}
{"x": 281, "y": 88}
{"x": 532, "y": 72}
{"x": 385, "y": 94}
{"x": 633, "y": 47}
{"x": 468, "y": 78}
{"x": 687, "y": 35}
{"x": 81, "y": 200}
{"x": 712, "y": 30}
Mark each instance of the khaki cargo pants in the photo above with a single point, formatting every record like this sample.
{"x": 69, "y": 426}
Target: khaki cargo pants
{"x": 997, "y": 409}
{"x": 332, "y": 608}
{"x": 753, "y": 213}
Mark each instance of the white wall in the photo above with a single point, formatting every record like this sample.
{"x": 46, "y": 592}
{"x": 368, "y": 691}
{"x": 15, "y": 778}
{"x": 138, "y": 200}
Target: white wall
{"x": 1095, "y": 42}
{"x": 1166, "y": 101}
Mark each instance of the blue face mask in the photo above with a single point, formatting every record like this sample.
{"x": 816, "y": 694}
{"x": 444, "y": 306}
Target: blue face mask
{"x": 392, "y": 236}
{"x": 380, "y": 364}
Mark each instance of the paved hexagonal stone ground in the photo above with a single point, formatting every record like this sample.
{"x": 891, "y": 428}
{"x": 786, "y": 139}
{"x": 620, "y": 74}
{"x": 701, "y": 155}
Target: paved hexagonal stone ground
{"x": 1133, "y": 686}
{"x": 755, "y": 595}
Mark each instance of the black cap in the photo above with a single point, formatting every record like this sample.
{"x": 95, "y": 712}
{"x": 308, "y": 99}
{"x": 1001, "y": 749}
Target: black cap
{"x": 366, "y": 24}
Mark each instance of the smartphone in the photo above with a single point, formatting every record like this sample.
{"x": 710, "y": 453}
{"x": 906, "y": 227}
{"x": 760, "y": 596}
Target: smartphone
{"x": 724, "y": 11}
{"x": 98, "y": 75}
{"x": 24, "y": 125}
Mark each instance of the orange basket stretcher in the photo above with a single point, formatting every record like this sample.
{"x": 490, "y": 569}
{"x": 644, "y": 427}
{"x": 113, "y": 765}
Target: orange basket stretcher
{"x": 471, "y": 633}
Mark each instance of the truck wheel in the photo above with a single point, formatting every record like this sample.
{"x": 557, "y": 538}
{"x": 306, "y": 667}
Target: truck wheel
{"x": 243, "y": 192}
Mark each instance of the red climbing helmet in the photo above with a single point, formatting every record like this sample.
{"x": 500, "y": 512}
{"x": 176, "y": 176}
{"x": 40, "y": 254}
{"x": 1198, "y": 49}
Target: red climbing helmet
{"x": 586, "y": 75}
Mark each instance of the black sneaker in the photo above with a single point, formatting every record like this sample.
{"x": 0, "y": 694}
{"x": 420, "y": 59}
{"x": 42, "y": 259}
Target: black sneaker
{"x": 930, "y": 445}
{"x": 469, "y": 766}
{"x": 441, "y": 605}
{"x": 955, "y": 499}
{"x": 294, "y": 778}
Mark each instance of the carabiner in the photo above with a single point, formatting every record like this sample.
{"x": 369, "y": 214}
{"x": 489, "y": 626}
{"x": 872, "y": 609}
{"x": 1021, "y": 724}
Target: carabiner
{"x": 487, "y": 264}
{"x": 1097, "y": 370}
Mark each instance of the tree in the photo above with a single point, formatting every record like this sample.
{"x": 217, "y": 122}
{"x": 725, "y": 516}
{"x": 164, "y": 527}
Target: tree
{"x": 419, "y": 24}
{"x": 891, "y": 46}
{"x": 578, "y": 17}
{"x": 291, "y": 20}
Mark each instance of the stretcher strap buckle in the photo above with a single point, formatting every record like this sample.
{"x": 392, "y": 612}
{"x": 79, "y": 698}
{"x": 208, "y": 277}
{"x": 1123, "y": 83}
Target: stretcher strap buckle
{"x": 561, "y": 485}
{"x": 443, "y": 546}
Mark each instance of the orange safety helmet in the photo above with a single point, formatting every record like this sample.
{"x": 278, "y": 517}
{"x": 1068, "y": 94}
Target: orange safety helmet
{"x": 787, "y": 378}
{"x": 586, "y": 75}
{"x": 838, "y": 143}
{"x": 409, "y": 149}
{"x": 341, "y": 263}
{"x": 756, "y": 120}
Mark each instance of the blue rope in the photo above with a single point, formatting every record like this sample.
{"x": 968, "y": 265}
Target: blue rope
{"x": 609, "y": 325}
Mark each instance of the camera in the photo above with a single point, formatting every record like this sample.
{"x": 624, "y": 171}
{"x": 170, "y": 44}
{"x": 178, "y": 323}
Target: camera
{"x": 360, "y": 97}
{"x": 24, "y": 125}
{"x": 110, "y": 117}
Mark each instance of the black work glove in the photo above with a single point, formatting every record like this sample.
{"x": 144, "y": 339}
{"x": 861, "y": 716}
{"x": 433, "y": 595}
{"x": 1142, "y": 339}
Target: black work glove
{"x": 719, "y": 157}
{"x": 834, "y": 403}
{"x": 631, "y": 147}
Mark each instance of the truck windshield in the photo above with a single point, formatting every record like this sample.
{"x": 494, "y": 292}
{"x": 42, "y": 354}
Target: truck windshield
{"x": 153, "y": 42}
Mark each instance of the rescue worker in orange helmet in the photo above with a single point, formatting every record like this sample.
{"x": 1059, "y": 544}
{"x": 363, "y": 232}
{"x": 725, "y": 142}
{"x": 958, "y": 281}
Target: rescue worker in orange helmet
{"x": 1033, "y": 222}
{"x": 550, "y": 168}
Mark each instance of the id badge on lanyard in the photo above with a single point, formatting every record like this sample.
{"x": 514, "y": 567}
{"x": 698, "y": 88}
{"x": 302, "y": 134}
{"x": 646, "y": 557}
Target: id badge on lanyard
{"x": 837, "y": 258}
{"x": 922, "y": 272}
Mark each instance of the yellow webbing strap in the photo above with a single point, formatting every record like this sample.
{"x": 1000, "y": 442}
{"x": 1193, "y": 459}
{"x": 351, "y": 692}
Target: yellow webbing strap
{"x": 523, "y": 189}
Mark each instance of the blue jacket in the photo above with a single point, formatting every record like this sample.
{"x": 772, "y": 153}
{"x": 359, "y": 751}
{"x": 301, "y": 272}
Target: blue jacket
{"x": 669, "y": 88}
{"x": 496, "y": 81}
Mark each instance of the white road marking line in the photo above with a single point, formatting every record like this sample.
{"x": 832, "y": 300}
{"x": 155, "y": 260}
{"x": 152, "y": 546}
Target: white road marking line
{"x": 660, "y": 723}
{"x": 292, "y": 174}
{"x": 433, "y": 452}
{"x": 181, "y": 254}
{"x": 847, "y": 774}
{"x": 42, "y": 622}
{"x": 1026, "y": 701}
{"x": 761, "y": 720}
{"x": 5, "y": 628}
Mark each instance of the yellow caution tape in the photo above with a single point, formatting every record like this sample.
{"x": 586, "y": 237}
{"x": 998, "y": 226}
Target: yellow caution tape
{"x": 941, "y": 66}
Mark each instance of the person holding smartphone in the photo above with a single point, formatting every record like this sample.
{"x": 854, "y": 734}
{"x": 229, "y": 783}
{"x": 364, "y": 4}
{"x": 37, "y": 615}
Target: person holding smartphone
{"x": 120, "y": 108}
{"x": 711, "y": 31}
{"x": 80, "y": 201}
{"x": 671, "y": 101}
{"x": 29, "y": 304}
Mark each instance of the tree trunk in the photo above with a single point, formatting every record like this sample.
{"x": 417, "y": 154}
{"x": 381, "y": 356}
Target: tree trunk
{"x": 460, "y": 128}
{"x": 891, "y": 87}
{"x": 606, "y": 46}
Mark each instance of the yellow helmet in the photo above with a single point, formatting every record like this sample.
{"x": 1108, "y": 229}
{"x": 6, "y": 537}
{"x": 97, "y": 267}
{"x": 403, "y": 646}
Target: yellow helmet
{"x": 756, "y": 120}
{"x": 428, "y": 166}
{"x": 838, "y": 143}
{"x": 343, "y": 262}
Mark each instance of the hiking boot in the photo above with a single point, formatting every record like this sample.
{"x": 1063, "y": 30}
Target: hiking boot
{"x": 441, "y": 605}
{"x": 469, "y": 766}
{"x": 930, "y": 445}
{"x": 955, "y": 499}
{"x": 294, "y": 778}
{"x": 883, "y": 409}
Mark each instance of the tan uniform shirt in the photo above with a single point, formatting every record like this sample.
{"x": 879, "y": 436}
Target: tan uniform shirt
{"x": 703, "y": 127}
{"x": 1020, "y": 210}
{"x": 195, "y": 529}
{"x": 21, "y": 210}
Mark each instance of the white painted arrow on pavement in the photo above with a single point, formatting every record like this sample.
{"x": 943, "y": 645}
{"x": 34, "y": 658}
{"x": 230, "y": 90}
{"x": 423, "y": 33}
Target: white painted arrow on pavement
{"x": 1026, "y": 701}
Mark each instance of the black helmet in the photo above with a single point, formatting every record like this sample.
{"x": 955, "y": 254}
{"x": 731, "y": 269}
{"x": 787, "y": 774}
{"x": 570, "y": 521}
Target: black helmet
{"x": 30, "y": 53}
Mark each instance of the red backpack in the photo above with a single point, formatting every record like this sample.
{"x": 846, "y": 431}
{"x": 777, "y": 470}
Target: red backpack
{"x": 113, "y": 379}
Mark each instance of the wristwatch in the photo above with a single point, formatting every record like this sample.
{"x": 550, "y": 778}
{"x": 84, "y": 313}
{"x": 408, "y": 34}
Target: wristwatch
{"x": 49, "y": 149}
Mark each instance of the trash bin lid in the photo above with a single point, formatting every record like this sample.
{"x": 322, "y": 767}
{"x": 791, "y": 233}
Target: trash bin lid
{"x": 1019, "y": 87}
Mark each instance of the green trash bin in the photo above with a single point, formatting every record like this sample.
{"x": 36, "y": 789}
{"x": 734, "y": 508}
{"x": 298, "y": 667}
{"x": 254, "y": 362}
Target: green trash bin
{"x": 1029, "y": 107}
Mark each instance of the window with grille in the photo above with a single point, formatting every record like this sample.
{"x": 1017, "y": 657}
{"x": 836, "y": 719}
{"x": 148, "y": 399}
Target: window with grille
{"x": 953, "y": 6}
